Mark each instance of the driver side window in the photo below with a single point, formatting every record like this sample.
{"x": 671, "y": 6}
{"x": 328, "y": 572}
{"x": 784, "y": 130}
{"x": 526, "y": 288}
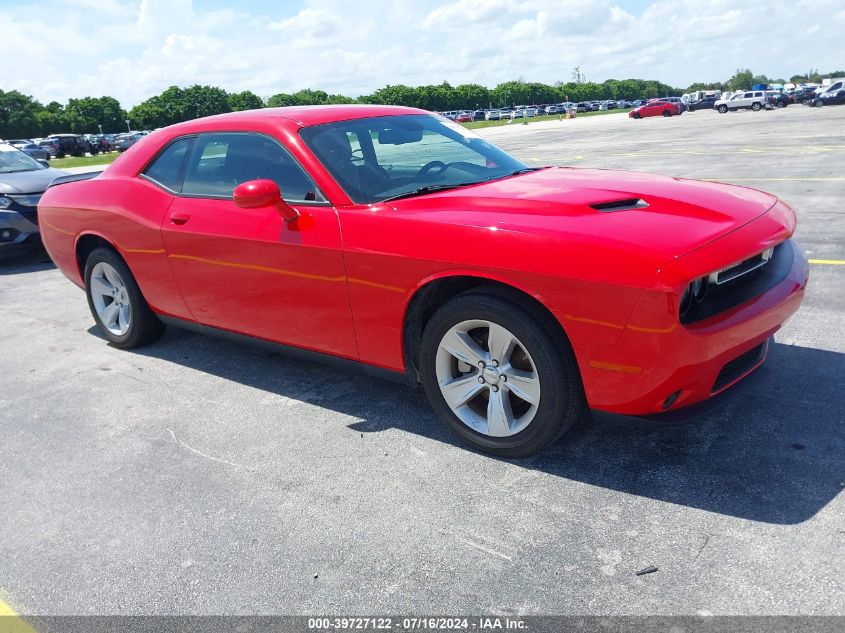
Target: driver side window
{"x": 221, "y": 162}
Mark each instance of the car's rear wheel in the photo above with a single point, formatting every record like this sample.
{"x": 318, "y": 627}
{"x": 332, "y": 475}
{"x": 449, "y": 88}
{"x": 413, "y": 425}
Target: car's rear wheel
{"x": 499, "y": 375}
{"x": 116, "y": 302}
{"x": 818, "y": 103}
{"x": 756, "y": 107}
{"x": 667, "y": 113}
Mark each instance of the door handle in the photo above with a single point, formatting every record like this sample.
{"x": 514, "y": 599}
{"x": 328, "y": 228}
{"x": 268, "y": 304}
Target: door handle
{"x": 179, "y": 217}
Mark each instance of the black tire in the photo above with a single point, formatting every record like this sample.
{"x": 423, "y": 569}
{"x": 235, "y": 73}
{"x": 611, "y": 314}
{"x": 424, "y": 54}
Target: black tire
{"x": 144, "y": 327}
{"x": 637, "y": 115}
{"x": 818, "y": 103}
{"x": 562, "y": 402}
{"x": 667, "y": 113}
{"x": 756, "y": 107}
{"x": 780, "y": 104}
{"x": 723, "y": 109}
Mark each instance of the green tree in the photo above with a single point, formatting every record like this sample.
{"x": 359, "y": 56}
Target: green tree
{"x": 87, "y": 114}
{"x": 280, "y": 100}
{"x": 17, "y": 115}
{"x": 245, "y": 100}
{"x": 741, "y": 80}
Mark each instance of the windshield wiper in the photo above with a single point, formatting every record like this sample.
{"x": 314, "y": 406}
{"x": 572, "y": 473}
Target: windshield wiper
{"x": 430, "y": 189}
{"x": 524, "y": 170}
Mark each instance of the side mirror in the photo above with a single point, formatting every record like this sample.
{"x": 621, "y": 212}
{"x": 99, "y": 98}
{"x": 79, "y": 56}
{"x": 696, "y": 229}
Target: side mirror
{"x": 41, "y": 161}
{"x": 255, "y": 194}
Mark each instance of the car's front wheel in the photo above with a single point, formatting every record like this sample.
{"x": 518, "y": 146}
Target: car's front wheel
{"x": 499, "y": 374}
{"x": 667, "y": 113}
{"x": 723, "y": 109}
{"x": 116, "y": 302}
{"x": 756, "y": 107}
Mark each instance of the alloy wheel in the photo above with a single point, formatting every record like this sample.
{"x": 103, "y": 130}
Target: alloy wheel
{"x": 487, "y": 378}
{"x": 111, "y": 298}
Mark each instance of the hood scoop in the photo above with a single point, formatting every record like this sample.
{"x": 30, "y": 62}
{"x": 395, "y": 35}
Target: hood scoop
{"x": 620, "y": 205}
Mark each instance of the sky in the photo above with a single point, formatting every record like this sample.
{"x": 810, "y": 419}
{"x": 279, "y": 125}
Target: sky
{"x": 133, "y": 49}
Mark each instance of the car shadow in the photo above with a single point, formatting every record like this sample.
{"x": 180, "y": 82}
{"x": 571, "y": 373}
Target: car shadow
{"x": 33, "y": 260}
{"x": 776, "y": 454}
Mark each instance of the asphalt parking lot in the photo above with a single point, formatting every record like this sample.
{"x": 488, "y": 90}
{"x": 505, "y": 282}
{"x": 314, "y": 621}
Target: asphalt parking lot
{"x": 196, "y": 476}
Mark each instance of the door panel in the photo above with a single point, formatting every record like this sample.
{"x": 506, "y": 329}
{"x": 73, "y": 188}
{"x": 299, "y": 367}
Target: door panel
{"x": 246, "y": 271}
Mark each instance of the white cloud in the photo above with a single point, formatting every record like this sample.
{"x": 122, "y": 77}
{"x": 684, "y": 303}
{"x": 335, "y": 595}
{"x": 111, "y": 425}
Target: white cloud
{"x": 132, "y": 49}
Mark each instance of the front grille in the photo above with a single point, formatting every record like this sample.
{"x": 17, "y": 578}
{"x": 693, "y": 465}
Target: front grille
{"x": 740, "y": 365}
{"x": 735, "y": 271}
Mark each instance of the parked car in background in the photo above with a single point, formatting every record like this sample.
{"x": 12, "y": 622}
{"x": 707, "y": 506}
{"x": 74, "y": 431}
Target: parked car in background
{"x": 655, "y": 107}
{"x": 778, "y": 99}
{"x": 801, "y": 95}
{"x": 705, "y": 103}
{"x": 70, "y": 145}
{"x": 682, "y": 106}
{"x": 478, "y": 115}
{"x": 98, "y": 143}
{"x": 749, "y": 100}
{"x": 464, "y": 117}
{"x": 492, "y": 115}
{"x": 22, "y": 181}
{"x": 125, "y": 141}
{"x": 582, "y": 107}
{"x": 829, "y": 97}
{"x": 51, "y": 145}
{"x": 623, "y": 292}
{"x": 35, "y": 151}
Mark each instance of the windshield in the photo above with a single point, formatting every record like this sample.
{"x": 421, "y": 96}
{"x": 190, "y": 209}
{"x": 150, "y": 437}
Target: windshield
{"x": 384, "y": 157}
{"x": 13, "y": 160}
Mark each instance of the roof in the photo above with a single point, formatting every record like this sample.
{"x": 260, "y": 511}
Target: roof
{"x": 318, "y": 114}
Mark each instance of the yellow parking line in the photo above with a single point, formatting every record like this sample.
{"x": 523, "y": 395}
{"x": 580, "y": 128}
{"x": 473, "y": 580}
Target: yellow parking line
{"x": 828, "y": 262}
{"x": 11, "y": 622}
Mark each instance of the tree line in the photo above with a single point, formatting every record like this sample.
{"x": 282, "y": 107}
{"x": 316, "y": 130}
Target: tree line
{"x": 21, "y": 116}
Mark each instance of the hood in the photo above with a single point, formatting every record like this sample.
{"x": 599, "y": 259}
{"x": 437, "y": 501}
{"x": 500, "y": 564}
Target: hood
{"x": 664, "y": 216}
{"x": 35, "y": 181}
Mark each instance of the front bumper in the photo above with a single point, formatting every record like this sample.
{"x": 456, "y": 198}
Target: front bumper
{"x": 659, "y": 369}
{"x": 22, "y": 231}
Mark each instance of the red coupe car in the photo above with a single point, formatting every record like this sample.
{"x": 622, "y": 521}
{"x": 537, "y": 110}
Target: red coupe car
{"x": 517, "y": 296}
{"x": 655, "y": 108}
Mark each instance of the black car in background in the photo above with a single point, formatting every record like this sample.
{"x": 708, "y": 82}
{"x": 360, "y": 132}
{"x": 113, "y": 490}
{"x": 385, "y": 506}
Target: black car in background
{"x": 705, "y": 103}
{"x": 804, "y": 94}
{"x": 779, "y": 99}
{"x": 71, "y": 145}
{"x": 829, "y": 97}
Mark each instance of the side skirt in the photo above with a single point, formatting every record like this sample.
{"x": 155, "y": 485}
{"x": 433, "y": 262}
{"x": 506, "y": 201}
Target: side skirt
{"x": 406, "y": 378}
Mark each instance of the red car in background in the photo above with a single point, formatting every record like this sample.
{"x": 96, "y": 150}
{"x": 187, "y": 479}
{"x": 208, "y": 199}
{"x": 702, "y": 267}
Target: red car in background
{"x": 655, "y": 108}
{"x": 392, "y": 237}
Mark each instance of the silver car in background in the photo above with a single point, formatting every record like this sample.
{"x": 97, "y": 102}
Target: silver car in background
{"x": 22, "y": 182}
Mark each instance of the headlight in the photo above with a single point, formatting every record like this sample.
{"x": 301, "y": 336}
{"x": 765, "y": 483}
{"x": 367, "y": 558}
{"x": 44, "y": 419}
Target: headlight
{"x": 693, "y": 293}
{"x": 5, "y": 202}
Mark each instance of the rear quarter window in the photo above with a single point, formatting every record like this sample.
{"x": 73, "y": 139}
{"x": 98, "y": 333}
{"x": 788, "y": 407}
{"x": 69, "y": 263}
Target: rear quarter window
{"x": 168, "y": 168}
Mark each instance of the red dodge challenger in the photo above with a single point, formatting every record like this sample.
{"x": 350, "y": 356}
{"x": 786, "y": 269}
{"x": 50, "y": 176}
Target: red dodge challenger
{"x": 397, "y": 239}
